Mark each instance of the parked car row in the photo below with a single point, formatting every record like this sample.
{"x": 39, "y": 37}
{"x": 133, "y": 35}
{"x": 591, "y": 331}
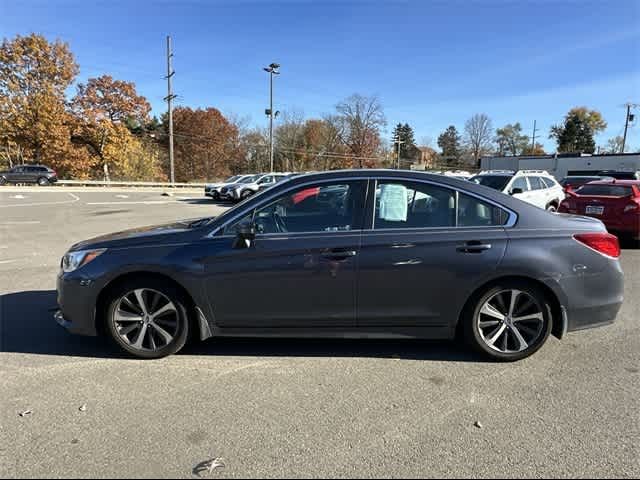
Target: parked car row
{"x": 240, "y": 187}
{"x": 29, "y": 174}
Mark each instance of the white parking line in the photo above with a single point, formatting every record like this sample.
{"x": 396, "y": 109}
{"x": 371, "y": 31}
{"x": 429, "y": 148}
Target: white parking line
{"x": 21, "y": 222}
{"x": 74, "y": 197}
{"x": 2, "y": 262}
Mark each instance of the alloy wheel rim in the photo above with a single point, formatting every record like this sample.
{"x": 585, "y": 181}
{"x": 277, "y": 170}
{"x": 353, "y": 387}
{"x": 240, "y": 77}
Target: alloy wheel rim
{"x": 510, "y": 321}
{"x": 146, "y": 320}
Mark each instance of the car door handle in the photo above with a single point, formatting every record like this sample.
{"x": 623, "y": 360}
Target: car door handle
{"x": 338, "y": 254}
{"x": 474, "y": 247}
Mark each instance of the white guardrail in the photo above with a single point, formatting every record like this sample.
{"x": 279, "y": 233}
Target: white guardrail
{"x": 120, "y": 183}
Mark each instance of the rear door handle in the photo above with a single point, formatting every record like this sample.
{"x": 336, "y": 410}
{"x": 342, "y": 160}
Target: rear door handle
{"x": 474, "y": 247}
{"x": 338, "y": 254}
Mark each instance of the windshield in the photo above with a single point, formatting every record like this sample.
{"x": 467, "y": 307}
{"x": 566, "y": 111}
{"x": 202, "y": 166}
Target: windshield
{"x": 232, "y": 179}
{"x": 250, "y": 179}
{"x": 497, "y": 182}
{"x": 605, "y": 191}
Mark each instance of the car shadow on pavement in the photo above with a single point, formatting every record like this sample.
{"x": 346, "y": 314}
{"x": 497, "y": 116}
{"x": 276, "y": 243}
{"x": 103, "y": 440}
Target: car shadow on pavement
{"x": 27, "y": 326}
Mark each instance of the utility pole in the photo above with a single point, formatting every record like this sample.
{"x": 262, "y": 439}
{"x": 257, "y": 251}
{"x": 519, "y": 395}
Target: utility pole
{"x": 533, "y": 138}
{"x": 169, "y": 98}
{"x": 628, "y": 119}
{"x": 399, "y": 142}
{"x": 272, "y": 70}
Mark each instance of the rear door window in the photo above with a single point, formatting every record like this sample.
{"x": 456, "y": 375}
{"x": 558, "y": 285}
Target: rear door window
{"x": 406, "y": 204}
{"x": 521, "y": 183}
{"x": 536, "y": 183}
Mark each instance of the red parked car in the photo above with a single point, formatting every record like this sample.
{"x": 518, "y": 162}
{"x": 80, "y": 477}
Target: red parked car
{"x": 615, "y": 202}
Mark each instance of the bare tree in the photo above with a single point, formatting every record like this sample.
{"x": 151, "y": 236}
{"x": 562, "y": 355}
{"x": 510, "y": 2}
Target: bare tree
{"x": 478, "y": 132}
{"x": 362, "y": 118}
{"x": 289, "y": 139}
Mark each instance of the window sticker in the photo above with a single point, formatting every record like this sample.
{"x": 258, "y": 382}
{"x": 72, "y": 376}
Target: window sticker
{"x": 394, "y": 203}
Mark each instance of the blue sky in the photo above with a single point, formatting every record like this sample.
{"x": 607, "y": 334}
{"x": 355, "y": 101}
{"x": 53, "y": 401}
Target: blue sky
{"x": 432, "y": 63}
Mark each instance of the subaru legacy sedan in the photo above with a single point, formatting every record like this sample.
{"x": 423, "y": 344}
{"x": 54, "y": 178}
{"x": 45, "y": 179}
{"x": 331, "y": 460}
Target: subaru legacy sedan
{"x": 350, "y": 254}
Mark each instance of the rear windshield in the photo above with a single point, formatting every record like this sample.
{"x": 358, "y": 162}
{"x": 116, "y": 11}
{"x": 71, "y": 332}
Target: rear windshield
{"x": 578, "y": 180}
{"x": 497, "y": 182}
{"x": 605, "y": 191}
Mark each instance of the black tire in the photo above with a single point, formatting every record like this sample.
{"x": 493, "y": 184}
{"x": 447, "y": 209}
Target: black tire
{"x": 3, "y": 181}
{"x": 215, "y": 196}
{"x": 475, "y": 338}
{"x": 114, "y": 301}
{"x": 246, "y": 194}
{"x": 43, "y": 181}
{"x": 552, "y": 207}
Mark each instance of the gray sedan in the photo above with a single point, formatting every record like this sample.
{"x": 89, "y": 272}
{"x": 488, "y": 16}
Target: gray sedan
{"x": 351, "y": 254}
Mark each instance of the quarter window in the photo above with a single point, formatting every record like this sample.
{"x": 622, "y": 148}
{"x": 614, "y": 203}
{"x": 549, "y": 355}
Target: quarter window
{"x": 473, "y": 212}
{"x": 326, "y": 207}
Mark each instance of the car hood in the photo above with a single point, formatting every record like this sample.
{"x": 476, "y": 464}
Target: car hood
{"x": 168, "y": 233}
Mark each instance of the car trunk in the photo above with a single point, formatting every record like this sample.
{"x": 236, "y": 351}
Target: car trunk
{"x": 608, "y": 209}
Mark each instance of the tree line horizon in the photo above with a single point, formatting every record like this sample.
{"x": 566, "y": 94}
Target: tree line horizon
{"x": 105, "y": 129}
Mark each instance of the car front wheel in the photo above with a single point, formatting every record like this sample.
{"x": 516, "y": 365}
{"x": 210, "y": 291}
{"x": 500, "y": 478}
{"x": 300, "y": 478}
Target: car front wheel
{"x": 147, "y": 319}
{"x": 42, "y": 181}
{"x": 509, "y": 322}
{"x": 3, "y": 181}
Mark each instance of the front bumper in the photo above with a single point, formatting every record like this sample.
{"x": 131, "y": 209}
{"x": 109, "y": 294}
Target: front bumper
{"x": 76, "y": 303}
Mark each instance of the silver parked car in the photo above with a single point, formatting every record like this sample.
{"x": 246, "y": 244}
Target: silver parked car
{"x": 213, "y": 189}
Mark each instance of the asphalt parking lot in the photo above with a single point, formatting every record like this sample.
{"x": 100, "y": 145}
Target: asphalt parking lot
{"x": 285, "y": 408}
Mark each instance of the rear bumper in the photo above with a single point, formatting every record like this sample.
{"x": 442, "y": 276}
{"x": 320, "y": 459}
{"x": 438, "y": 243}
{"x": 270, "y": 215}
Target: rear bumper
{"x": 595, "y": 298}
{"x": 592, "y": 317}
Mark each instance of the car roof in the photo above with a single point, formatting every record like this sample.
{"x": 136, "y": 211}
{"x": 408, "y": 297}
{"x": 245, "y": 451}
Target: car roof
{"x": 616, "y": 182}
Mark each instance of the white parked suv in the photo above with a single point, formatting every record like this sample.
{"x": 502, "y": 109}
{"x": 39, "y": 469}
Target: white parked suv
{"x": 537, "y": 187}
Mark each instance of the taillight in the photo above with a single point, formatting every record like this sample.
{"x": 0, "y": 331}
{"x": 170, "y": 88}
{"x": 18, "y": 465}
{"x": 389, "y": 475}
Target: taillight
{"x": 632, "y": 207}
{"x": 603, "y": 243}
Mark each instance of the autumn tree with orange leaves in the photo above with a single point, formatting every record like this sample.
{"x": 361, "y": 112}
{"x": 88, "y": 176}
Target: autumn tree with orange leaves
{"x": 206, "y": 144}
{"x": 34, "y": 122}
{"x": 105, "y": 111}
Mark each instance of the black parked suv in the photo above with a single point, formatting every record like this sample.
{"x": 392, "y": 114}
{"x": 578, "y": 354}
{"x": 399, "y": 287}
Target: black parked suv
{"x": 29, "y": 174}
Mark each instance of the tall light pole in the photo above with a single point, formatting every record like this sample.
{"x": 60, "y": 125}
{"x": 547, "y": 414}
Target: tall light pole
{"x": 272, "y": 70}
{"x": 629, "y": 118}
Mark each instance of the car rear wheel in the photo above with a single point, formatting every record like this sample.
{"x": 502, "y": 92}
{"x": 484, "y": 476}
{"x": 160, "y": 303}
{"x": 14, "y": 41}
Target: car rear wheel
{"x": 552, "y": 208}
{"x": 509, "y": 322}
{"x": 42, "y": 181}
{"x": 147, "y": 319}
{"x": 246, "y": 194}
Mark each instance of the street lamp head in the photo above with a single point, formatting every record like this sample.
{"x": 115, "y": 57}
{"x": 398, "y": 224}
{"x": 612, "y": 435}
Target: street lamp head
{"x": 274, "y": 65}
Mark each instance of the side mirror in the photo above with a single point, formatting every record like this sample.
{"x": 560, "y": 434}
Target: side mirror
{"x": 516, "y": 191}
{"x": 245, "y": 236}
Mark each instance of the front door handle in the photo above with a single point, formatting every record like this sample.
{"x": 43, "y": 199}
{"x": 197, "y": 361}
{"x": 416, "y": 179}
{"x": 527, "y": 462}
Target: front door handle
{"x": 338, "y": 254}
{"x": 474, "y": 247}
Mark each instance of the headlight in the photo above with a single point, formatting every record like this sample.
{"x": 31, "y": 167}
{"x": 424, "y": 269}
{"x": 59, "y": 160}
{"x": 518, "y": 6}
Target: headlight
{"x": 74, "y": 260}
